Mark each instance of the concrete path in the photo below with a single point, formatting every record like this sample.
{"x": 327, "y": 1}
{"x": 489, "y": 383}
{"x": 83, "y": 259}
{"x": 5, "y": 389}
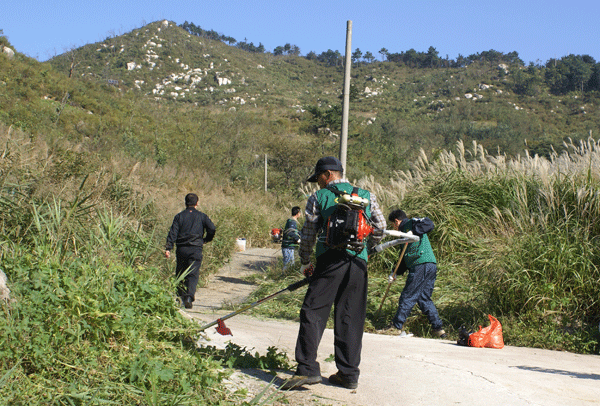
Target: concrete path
{"x": 410, "y": 371}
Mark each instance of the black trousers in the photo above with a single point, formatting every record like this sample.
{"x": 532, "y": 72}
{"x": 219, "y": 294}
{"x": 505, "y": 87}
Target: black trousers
{"x": 341, "y": 280}
{"x": 188, "y": 257}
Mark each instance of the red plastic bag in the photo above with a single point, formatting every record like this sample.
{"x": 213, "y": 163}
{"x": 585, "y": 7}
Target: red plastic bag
{"x": 489, "y": 337}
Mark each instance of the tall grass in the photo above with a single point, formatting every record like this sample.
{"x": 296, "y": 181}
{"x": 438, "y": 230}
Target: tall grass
{"x": 92, "y": 321}
{"x": 515, "y": 237}
{"x": 94, "y": 318}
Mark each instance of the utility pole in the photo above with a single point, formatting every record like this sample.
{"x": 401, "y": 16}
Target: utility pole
{"x": 265, "y": 173}
{"x": 346, "y": 94}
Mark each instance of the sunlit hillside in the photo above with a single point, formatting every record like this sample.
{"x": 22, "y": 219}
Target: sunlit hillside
{"x": 296, "y": 102}
{"x": 99, "y": 145}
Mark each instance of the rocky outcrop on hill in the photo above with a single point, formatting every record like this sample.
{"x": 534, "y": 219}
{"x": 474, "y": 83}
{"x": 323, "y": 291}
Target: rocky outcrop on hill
{"x": 8, "y": 52}
{"x": 4, "y": 290}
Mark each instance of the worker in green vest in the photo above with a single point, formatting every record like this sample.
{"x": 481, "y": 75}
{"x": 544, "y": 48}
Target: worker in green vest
{"x": 420, "y": 262}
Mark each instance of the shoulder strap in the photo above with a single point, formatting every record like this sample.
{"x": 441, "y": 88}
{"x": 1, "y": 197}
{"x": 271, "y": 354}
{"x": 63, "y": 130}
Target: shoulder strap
{"x": 335, "y": 190}
{"x": 338, "y": 192}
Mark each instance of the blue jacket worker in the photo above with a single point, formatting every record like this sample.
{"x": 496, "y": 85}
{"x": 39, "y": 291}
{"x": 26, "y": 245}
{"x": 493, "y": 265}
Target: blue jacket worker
{"x": 339, "y": 279}
{"x": 190, "y": 230}
{"x": 420, "y": 262}
{"x": 291, "y": 238}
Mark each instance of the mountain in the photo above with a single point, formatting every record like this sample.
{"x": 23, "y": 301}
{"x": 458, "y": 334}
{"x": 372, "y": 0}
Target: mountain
{"x": 159, "y": 92}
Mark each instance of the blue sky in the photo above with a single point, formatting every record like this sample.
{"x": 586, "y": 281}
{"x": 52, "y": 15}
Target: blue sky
{"x": 537, "y": 30}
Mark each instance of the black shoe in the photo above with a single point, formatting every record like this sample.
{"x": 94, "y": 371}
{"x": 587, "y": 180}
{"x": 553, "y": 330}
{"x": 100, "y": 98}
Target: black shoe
{"x": 339, "y": 380}
{"x": 187, "y": 302}
{"x": 440, "y": 333}
{"x": 463, "y": 336}
{"x": 298, "y": 380}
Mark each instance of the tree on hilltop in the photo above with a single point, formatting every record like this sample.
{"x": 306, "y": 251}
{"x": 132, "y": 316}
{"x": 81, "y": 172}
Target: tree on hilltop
{"x": 384, "y": 53}
{"x": 331, "y": 58}
{"x": 356, "y": 55}
{"x": 287, "y": 49}
{"x": 369, "y": 57}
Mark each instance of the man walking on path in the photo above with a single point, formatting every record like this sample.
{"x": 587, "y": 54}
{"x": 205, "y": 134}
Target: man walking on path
{"x": 291, "y": 238}
{"x": 190, "y": 230}
{"x": 339, "y": 279}
{"x": 422, "y": 271}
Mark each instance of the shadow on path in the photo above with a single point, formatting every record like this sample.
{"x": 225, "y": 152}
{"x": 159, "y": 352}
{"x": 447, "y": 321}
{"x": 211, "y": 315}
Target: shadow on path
{"x": 560, "y": 372}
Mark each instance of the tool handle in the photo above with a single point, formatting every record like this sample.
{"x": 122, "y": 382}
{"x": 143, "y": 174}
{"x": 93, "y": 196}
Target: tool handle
{"x": 297, "y": 285}
{"x": 394, "y": 274}
{"x": 290, "y": 288}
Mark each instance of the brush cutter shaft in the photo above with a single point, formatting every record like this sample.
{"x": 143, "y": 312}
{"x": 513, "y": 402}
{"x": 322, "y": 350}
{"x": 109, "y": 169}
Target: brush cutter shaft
{"x": 389, "y": 244}
{"x": 290, "y": 288}
{"x": 400, "y": 234}
{"x": 404, "y": 238}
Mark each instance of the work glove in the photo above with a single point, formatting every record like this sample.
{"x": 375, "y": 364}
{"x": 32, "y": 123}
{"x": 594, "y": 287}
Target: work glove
{"x": 307, "y": 269}
{"x": 378, "y": 232}
{"x": 391, "y": 278}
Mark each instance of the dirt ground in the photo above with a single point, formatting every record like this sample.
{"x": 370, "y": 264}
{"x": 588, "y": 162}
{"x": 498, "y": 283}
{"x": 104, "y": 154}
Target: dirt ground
{"x": 411, "y": 371}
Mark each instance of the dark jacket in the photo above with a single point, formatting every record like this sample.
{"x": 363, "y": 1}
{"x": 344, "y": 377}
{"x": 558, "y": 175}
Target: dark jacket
{"x": 291, "y": 235}
{"x": 189, "y": 228}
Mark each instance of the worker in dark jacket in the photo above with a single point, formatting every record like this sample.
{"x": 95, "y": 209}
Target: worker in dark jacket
{"x": 190, "y": 230}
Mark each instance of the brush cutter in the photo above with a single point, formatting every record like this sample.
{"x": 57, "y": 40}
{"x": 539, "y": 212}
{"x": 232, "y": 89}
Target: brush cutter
{"x": 405, "y": 238}
{"x": 223, "y": 330}
{"x": 408, "y": 238}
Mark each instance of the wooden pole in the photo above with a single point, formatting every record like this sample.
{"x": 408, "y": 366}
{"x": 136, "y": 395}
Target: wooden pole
{"x": 394, "y": 274}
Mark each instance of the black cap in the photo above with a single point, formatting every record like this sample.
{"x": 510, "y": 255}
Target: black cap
{"x": 327, "y": 163}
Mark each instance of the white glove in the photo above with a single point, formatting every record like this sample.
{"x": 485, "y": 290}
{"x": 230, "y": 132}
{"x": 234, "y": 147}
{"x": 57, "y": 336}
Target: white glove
{"x": 307, "y": 269}
{"x": 391, "y": 278}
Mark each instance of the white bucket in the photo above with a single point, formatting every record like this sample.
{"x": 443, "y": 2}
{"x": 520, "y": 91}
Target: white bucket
{"x": 240, "y": 244}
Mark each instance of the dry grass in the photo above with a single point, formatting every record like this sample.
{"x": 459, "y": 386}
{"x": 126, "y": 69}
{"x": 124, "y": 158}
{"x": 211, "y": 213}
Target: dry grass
{"x": 581, "y": 159}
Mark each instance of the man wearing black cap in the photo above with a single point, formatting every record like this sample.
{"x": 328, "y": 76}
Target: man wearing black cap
{"x": 339, "y": 279}
{"x": 188, "y": 232}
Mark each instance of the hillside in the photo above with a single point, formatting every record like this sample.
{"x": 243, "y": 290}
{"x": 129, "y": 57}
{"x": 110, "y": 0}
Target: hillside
{"x": 161, "y": 93}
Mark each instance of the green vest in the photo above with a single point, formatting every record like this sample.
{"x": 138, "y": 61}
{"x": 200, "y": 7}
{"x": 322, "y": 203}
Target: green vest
{"x": 326, "y": 202}
{"x": 419, "y": 252}
{"x": 291, "y": 235}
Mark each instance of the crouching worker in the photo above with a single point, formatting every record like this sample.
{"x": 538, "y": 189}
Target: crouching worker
{"x": 422, "y": 272}
{"x": 190, "y": 230}
{"x": 339, "y": 279}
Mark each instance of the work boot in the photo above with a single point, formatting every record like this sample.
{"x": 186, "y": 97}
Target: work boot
{"x": 298, "y": 380}
{"x": 187, "y": 302}
{"x": 440, "y": 333}
{"x": 339, "y": 380}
